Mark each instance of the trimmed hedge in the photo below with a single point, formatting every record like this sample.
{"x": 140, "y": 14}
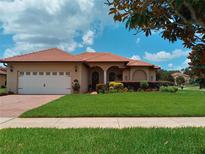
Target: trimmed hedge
{"x": 135, "y": 86}
{"x": 170, "y": 89}
{"x": 144, "y": 85}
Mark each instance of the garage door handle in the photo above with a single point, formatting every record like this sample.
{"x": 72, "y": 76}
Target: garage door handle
{"x": 20, "y": 88}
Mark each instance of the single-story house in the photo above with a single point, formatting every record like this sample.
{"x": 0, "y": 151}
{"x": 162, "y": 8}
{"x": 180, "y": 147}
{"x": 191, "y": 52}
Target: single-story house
{"x": 53, "y": 71}
{"x": 2, "y": 77}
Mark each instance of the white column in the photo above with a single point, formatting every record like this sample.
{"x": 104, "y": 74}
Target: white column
{"x": 105, "y": 76}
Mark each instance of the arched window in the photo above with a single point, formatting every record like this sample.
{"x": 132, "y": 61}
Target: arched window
{"x": 139, "y": 75}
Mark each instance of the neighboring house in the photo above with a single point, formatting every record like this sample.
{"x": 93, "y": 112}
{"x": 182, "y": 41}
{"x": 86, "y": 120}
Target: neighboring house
{"x": 2, "y": 77}
{"x": 185, "y": 76}
{"x": 53, "y": 71}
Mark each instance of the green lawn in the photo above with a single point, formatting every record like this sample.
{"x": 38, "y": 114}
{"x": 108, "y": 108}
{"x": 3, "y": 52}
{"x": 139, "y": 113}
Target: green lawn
{"x": 192, "y": 87}
{"x": 2, "y": 90}
{"x": 103, "y": 141}
{"x": 146, "y": 104}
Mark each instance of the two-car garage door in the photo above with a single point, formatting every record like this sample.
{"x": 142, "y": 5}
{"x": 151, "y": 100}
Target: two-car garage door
{"x": 44, "y": 83}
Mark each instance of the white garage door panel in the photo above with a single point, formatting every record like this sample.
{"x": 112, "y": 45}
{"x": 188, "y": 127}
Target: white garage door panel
{"x": 44, "y": 84}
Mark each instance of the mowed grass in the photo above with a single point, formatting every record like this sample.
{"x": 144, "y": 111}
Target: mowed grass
{"x": 103, "y": 141}
{"x": 2, "y": 90}
{"x": 136, "y": 104}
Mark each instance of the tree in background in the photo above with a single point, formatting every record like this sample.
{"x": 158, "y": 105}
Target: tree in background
{"x": 164, "y": 75}
{"x": 188, "y": 71}
{"x": 175, "y": 19}
{"x": 180, "y": 80}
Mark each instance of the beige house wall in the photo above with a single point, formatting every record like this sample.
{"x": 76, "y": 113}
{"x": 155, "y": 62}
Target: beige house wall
{"x": 126, "y": 75}
{"x": 2, "y": 80}
{"x": 150, "y": 73}
{"x": 78, "y": 71}
{"x": 12, "y": 76}
{"x": 84, "y": 78}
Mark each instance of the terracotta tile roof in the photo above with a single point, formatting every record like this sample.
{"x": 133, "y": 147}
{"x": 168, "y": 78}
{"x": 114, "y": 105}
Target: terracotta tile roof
{"x": 101, "y": 57}
{"x": 2, "y": 70}
{"x": 52, "y": 55}
{"x": 138, "y": 63}
{"x": 141, "y": 63}
{"x": 58, "y": 55}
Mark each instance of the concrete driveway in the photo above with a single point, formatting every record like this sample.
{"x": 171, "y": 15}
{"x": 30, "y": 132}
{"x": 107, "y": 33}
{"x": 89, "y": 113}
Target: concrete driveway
{"x": 15, "y": 105}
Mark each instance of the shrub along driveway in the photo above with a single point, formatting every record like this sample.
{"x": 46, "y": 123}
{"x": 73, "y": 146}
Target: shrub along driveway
{"x": 14, "y": 105}
{"x": 141, "y": 104}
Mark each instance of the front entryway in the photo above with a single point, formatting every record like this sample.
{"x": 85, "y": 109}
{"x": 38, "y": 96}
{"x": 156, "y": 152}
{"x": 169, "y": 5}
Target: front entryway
{"x": 95, "y": 79}
{"x": 44, "y": 83}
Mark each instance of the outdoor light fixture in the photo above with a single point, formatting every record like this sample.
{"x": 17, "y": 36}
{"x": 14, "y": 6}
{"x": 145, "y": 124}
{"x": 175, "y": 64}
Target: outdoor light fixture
{"x": 11, "y": 68}
{"x": 76, "y": 68}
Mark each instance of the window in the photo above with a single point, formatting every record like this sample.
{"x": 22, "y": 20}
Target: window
{"x": 28, "y": 73}
{"x": 34, "y": 73}
{"x": 61, "y": 73}
{"x": 21, "y": 73}
{"x": 54, "y": 73}
{"x": 152, "y": 78}
{"x": 41, "y": 73}
{"x": 48, "y": 73}
{"x": 67, "y": 73}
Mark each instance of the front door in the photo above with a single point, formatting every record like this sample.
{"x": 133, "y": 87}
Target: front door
{"x": 95, "y": 79}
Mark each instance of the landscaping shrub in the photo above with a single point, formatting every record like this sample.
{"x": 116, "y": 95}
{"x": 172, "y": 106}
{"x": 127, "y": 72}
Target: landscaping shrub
{"x": 113, "y": 91}
{"x": 101, "y": 88}
{"x": 76, "y": 86}
{"x": 144, "y": 85}
{"x": 170, "y": 89}
{"x": 125, "y": 89}
{"x": 116, "y": 85}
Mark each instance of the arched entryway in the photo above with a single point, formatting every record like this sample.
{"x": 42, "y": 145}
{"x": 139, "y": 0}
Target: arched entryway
{"x": 114, "y": 73}
{"x": 139, "y": 75}
{"x": 96, "y": 77}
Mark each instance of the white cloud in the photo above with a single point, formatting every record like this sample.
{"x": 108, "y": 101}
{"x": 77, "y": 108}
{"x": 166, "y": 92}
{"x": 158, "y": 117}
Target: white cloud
{"x": 89, "y": 49}
{"x": 181, "y": 66}
{"x": 170, "y": 65}
{"x": 88, "y": 38}
{"x": 165, "y": 56}
{"x": 185, "y": 64}
{"x": 52, "y": 23}
{"x": 138, "y": 40}
{"x": 136, "y": 57}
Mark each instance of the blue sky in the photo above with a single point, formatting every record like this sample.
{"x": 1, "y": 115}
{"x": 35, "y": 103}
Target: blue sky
{"x": 79, "y": 26}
